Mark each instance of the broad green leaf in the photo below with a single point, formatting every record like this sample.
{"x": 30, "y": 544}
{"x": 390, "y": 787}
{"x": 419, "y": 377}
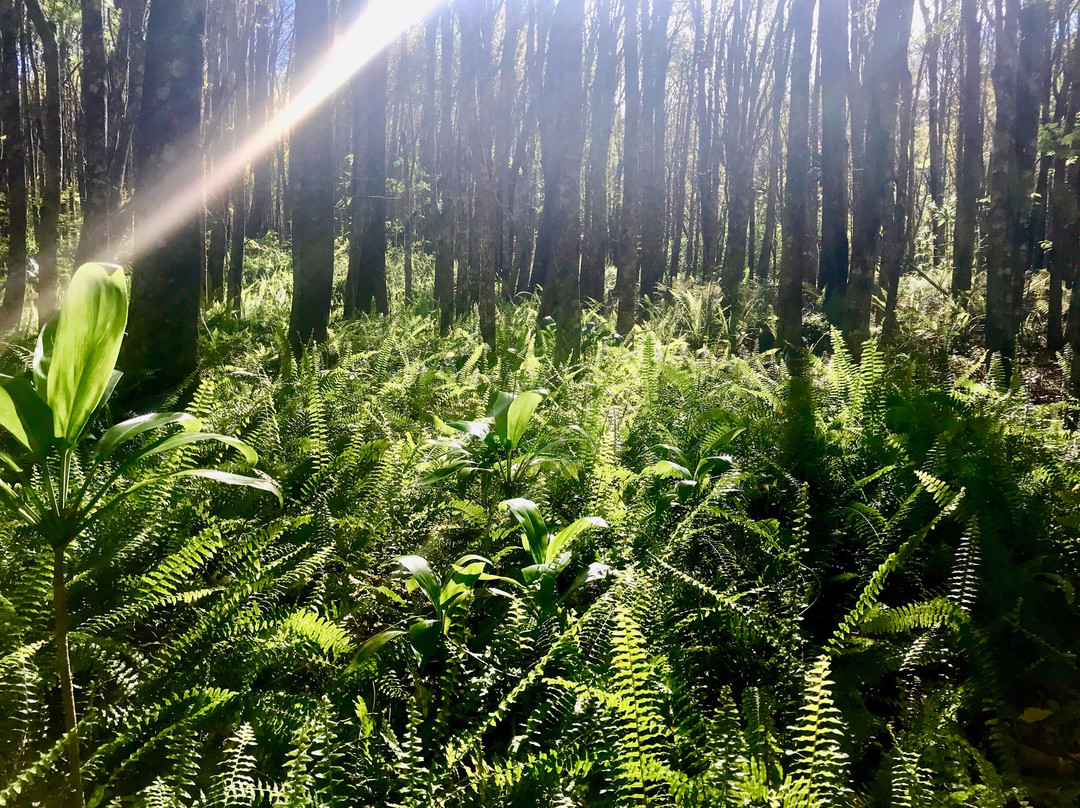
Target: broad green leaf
{"x": 89, "y": 332}
{"x": 260, "y": 482}
{"x": 372, "y": 646}
{"x": 25, "y": 415}
{"x": 520, "y": 413}
{"x": 498, "y": 412}
{"x": 568, "y": 534}
{"x": 709, "y": 465}
{"x": 424, "y": 637}
{"x": 420, "y": 571}
{"x": 475, "y": 429}
{"x": 666, "y": 468}
{"x": 121, "y": 433}
{"x": 43, "y": 358}
{"x": 674, "y": 452}
{"x": 528, "y": 516}
{"x": 251, "y": 457}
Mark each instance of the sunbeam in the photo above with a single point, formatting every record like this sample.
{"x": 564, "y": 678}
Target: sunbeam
{"x": 179, "y": 197}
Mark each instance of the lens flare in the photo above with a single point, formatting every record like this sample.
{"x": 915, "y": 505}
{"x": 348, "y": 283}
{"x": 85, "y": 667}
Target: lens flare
{"x": 179, "y": 197}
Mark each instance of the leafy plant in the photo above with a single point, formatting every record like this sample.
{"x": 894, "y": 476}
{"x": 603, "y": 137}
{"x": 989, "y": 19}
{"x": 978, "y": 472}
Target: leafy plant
{"x": 549, "y": 552}
{"x": 59, "y": 491}
{"x": 492, "y": 446}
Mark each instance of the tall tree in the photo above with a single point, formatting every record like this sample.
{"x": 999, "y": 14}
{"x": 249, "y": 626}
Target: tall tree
{"x": 237, "y": 64}
{"x": 627, "y": 269}
{"x": 92, "y": 238}
{"x": 442, "y": 208}
{"x": 562, "y": 136}
{"x": 794, "y": 260}
{"x": 14, "y": 163}
{"x": 880, "y": 90}
{"x": 366, "y": 283}
{"x": 833, "y": 41}
{"x": 969, "y": 151}
{"x": 162, "y": 345}
{"x": 259, "y": 214}
{"x": 704, "y": 51}
{"x": 605, "y": 85}
{"x": 48, "y": 225}
{"x": 311, "y": 187}
{"x": 655, "y": 57}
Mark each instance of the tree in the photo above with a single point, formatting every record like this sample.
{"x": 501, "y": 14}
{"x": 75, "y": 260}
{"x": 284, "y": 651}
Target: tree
{"x": 162, "y": 345}
{"x": 794, "y": 260}
{"x": 655, "y": 56}
{"x": 605, "y": 85}
{"x": 366, "y": 283}
{"x": 627, "y": 268}
{"x": 311, "y": 188}
{"x": 93, "y": 236}
{"x": 47, "y": 236}
{"x": 14, "y": 163}
{"x": 833, "y": 41}
{"x": 562, "y": 137}
{"x": 969, "y": 159}
{"x": 880, "y": 90}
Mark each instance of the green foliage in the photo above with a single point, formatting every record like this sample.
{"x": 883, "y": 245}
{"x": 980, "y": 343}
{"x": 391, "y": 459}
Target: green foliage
{"x": 856, "y": 588}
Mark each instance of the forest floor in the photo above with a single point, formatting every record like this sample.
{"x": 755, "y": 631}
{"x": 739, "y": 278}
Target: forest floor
{"x": 853, "y": 589}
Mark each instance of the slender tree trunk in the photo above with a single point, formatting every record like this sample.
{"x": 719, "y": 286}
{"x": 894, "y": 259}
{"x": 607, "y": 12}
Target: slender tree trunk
{"x": 1064, "y": 211}
{"x": 262, "y": 169}
{"x": 772, "y": 194}
{"x": 602, "y": 103}
{"x": 628, "y": 268}
{"x": 162, "y": 344}
{"x": 796, "y": 250}
{"x": 562, "y": 133}
{"x": 655, "y": 58}
{"x": 443, "y": 211}
{"x": 881, "y": 86}
{"x": 1003, "y": 261}
{"x": 704, "y": 47}
{"x": 367, "y": 237}
{"x": 238, "y": 80}
{"x": 969, "y": 149}
{"x": 92, "y": 238}
{"x": 833, "y": 40}
{"x": 48, "y": 229}
{"x": 14, "y": 164}
{"x": 311, "y": 186}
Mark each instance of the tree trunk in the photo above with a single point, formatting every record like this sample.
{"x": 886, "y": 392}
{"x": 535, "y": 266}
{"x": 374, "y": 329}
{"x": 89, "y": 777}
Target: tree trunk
{"x": 796, "y": 248}
{"x": 881, "y": 87}
{"x": 443, "y": 209}
{"x": 162, "y": 345}
{"x": 655, "y": 57}
{"x": 48, "y": 228}
{"x": 602, "y": 103}
{"x": 92, "y": 238}
{"x": 969, "y": 150}
{"x": 238, "y": 80}
{"x": 562, "y": 133}
{"x": 626, "y": 279}
{"x": 1003, "y": 261}
{"x": 14, "y": 164}
{"x": 311, "y": 187}
{"x": 260, "y": 213}
{"x": 833, "y": 40}
{"x": 367, "y": 236}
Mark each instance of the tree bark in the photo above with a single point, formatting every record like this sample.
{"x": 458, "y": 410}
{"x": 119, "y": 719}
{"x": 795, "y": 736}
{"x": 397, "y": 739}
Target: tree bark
{"x": 627, "y": 271}
{"x": 969, "y": 162}
{"x": 881, "y": 88}
{"x": 602, "y": 102}
{"x": 311, "y": 187}
{"x": 562, "y": 134}
{"x": 48, "y": 226}
{"x": 655, "y": 58}
{"x": 92, "y": 238}
{"x": 833, "y": 41}
{"x": 796, "y": 249}
{"x": 367, "y": 236}
{"x": 14, "y": 164}
{"x": 162, "y": 345}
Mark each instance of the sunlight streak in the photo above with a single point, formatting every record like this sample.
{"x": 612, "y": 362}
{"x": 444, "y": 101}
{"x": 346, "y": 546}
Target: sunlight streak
{"x": 180, "y": 197}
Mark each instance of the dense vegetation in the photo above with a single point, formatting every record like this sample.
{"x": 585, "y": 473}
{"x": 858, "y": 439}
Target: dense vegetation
{"x": 855, "y": 587}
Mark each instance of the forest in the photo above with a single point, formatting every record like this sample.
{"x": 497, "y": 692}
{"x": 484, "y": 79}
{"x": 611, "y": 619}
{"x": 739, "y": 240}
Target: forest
{"x": 596, "y": 403}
